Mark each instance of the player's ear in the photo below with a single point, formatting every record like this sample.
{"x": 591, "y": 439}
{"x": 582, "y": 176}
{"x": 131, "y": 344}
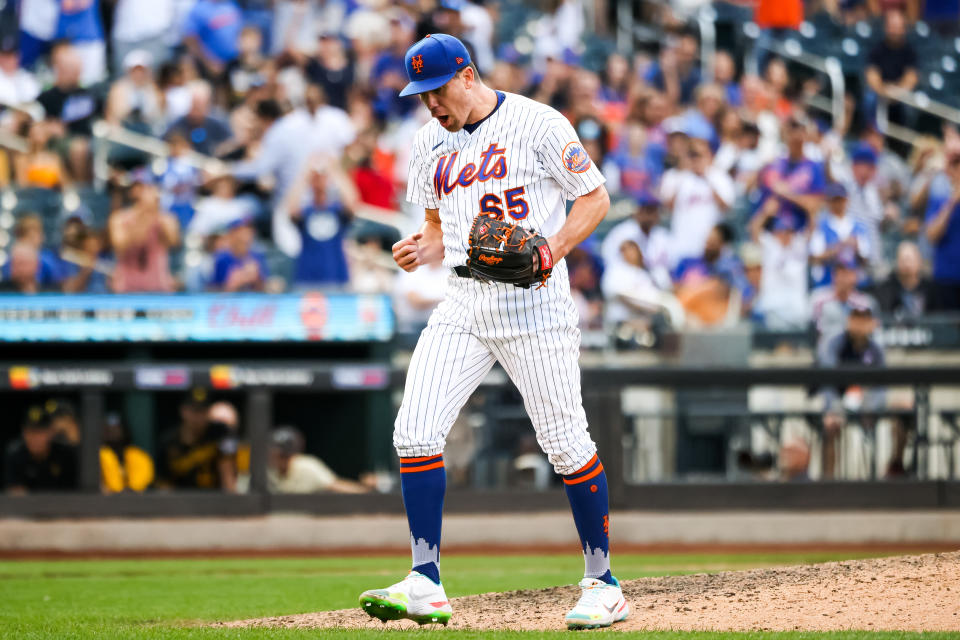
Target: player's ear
{"x": 469, "y": 78}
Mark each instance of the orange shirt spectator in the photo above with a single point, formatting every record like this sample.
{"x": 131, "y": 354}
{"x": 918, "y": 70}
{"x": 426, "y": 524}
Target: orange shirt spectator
{"x": 778, "y": 14}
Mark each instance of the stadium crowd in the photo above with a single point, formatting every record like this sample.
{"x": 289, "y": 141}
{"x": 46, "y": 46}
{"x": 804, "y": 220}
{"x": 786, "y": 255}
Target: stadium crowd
{"x": 286, "y": 134}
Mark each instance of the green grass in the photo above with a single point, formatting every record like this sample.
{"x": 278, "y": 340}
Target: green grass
{"x": 152, "y": 599}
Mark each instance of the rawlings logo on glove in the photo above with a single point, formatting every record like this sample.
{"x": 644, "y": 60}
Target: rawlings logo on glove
{"x": 506, "y": 252}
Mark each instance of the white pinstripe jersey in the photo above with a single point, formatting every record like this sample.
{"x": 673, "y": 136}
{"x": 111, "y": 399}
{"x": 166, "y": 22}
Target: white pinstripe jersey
{"x": 523, "y": 161}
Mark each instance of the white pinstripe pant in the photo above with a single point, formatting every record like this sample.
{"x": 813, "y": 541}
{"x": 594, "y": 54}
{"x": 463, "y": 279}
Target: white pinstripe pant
{"x": 532, "y": 333}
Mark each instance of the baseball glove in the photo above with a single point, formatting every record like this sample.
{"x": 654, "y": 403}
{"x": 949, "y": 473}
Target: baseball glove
{"x": 507, "y": 252}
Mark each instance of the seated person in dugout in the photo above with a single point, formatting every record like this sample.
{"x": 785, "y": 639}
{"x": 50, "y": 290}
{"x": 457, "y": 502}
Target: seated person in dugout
{"x": 198, "y": 453}
{"x": 37, "y": 461}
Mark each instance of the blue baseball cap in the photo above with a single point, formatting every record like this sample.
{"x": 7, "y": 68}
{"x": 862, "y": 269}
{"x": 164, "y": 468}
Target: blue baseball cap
{"x": 647, "y": 199}
{"x": 835, "y": 190}
{"x": 864, "y": 153}
{"x": 431, "y": 62}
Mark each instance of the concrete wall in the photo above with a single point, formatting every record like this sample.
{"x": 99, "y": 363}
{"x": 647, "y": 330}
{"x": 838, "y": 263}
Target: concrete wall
{"x": 301, "y": 532}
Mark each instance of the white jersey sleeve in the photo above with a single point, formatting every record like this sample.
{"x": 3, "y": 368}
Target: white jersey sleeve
{"x": 419, "y": 181}
{"x": 564, "y": 158}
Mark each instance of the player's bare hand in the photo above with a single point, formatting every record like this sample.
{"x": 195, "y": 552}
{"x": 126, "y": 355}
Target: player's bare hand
{"x": 406, "y": 253}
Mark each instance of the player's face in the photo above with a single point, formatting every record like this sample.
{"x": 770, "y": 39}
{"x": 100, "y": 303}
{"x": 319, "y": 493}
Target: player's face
{"x": 449, "y": 104}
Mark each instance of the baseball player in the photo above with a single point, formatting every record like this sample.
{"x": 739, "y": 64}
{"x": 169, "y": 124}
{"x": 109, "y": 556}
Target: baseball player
{"x": 506, "y": 158}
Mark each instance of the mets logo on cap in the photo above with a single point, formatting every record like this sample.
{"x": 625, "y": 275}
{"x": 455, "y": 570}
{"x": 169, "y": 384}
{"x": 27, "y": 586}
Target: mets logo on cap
{"x": 575, "y": 158}
{"x": 432, "y": 62}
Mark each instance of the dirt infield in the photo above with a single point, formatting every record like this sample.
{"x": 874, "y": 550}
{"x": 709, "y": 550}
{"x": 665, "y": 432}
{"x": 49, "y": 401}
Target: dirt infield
{"x": 912, "y": 593}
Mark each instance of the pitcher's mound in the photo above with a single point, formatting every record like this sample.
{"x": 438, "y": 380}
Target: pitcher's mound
{"x": 913, "y": 593}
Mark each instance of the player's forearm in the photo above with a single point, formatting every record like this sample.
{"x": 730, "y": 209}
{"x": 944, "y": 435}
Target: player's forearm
{"x": 431, "y": 244}
{"x": 584, "y": 216}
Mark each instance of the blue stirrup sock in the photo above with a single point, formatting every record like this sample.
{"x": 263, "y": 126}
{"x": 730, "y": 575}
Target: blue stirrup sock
{"x": 587, "y": 492}
{"x": 423, "y": 482}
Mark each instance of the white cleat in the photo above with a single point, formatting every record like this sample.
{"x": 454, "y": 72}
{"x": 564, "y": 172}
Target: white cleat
{"x": 600, "y": 605}
{"x": 416, "y": 598}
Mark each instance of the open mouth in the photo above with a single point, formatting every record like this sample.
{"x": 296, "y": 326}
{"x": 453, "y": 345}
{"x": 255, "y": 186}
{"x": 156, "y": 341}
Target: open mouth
{"x": 443, "y": 120}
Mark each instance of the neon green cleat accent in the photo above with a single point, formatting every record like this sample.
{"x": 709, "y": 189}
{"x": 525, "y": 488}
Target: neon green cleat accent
{"x": 416, "y": 598}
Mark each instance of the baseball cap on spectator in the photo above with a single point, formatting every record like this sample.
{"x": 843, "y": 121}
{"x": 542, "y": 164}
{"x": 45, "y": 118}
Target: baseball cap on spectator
{"x": 863, "y": 154}
{"x": 861, "y": 309}
{"x": 845, "y": 260}
{"x": 242, "y": 221}
{"x": 9, "y": 43}
{"x": 138, "y": 58}
{"x": 36, "y": 418}
{"x": 432, "y": 62}
{"x": 647, "y": 199}
{"x": 81, "y": 212}
{"x": 287, "y": 440}
{"x": 196, "y": 399}
{"x": 142, "y": 175}
{"x": 835, "y": 190}
{"x": 589, "y": 129}
{"x": 674, "y": 125}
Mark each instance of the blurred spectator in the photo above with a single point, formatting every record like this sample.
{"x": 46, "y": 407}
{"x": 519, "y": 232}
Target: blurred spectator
{"x": 199, "y": 453}
{"x": 725, "y": 75}
{"x": 24, "y": 272}
{"x": 332, "y": 69}
{"x": 29, "y": 230}
{"x": 633, "y": 297}
{"x": 143, "y": 25}
{"x": 891, "y": 65}
{"x": 205, "y": 132}
{"x": 831, "y": 304}
{"x": 179, "y": 181}
{"x": 45, "y": 24}
{"x": 41, "y": 165}
{"x": 142, "y": 236}
{"x": 37, "y": 461}
{"x": 135, "y": 97}
{"x": 710, "y": 286}
{"x": 629, "y": 169}
{"x": 247, "y": 70}
{"x": 63, "y": 422}
{"x": 478, "y": 32}
{"x": 211, "y": 32}
{"x": 288, "y": 139}
{"x": 584, "y": 269}
{"x": 893, "y": 174}
{"x": 652, "y": 240}
{"x": 782, "y": 298}
{"x": 907, "y": 293}
{"x": 17, "y": 85}
{"x": 330, "y": 122}
{"x": 67, "y": 101}
{"x": 854, "y": 346}
{"x": 942, "y": 228}
{"x": 836, "y": 234}
{"x": 123, "y": 465}
{"x": 698, "y": 197}
{"x": 237, "y": 267}
{"x": 677, "y": 71}
{"x": 794, "y": 182}
{"x": 79, "y": 265}
{"x": 320, "y": 204}
{"x": 865, "y": 203}
{"x": 292, "y": 471}
{"x": 417, "y": 293}
{"x": 219, "y": 209}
